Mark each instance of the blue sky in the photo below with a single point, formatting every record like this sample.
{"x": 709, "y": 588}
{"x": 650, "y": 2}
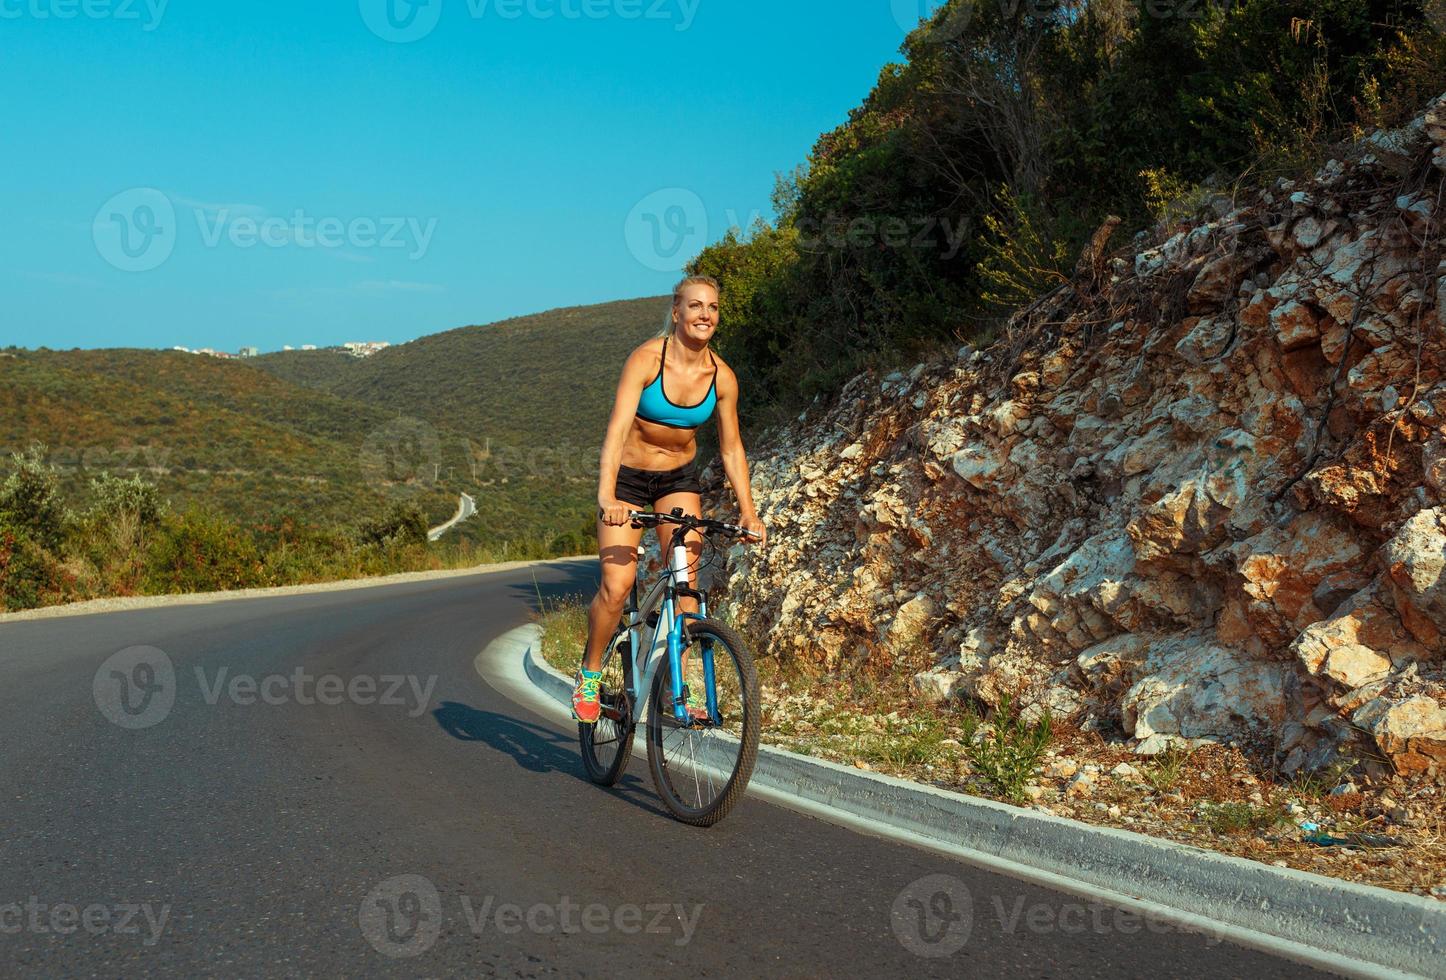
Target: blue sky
{"x": 219, "y": 173}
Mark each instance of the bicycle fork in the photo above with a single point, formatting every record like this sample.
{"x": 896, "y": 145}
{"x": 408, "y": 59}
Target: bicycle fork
{"x": 675, "y": 668}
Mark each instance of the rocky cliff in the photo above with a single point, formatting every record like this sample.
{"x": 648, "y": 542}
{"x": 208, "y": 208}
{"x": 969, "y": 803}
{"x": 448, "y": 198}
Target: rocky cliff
{"x": 1199, "y": 492}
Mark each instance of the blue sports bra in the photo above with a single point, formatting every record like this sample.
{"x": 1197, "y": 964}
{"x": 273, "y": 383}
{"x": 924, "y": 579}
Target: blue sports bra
{"x": 654, "y": 406}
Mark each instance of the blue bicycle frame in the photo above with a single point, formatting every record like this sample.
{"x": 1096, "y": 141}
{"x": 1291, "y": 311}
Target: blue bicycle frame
{"x": 666, "y": 640}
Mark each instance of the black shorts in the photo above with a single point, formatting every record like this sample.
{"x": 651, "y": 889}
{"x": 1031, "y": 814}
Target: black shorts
{"x": 643, "y": 488}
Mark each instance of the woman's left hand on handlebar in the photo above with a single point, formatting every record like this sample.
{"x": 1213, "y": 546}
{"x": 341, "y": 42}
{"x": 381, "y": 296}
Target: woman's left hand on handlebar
{"x": 755, "y": 526}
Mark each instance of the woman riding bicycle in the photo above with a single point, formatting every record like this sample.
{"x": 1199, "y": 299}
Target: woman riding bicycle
{"x": 670, "y": 386}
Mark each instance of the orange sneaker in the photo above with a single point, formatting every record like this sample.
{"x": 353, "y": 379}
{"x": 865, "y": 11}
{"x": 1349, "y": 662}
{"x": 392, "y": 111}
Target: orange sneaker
{"x": 585, "y": 706}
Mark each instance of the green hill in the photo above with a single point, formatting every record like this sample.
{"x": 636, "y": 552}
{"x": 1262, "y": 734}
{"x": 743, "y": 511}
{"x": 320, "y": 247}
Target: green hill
{"x": 544, "y": 380}
{"x": 527, "y": 400}
{"x": 511, "y": 413}
{"x": 206, "y": 430}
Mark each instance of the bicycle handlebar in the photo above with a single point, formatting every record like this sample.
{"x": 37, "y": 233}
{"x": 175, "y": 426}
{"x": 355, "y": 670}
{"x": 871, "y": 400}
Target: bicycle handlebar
{"x": 702, "y": 524}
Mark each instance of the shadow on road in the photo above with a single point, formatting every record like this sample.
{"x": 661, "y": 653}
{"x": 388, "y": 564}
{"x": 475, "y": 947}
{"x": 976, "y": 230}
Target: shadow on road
{"x": 534, "y": 748}
{"x": 554, "y": 584}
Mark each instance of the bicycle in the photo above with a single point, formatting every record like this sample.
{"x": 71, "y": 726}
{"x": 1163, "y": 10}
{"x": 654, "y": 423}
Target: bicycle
{"x": 702, "y": 744}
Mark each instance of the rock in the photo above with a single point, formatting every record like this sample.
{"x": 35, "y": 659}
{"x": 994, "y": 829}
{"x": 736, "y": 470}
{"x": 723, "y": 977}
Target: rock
{"x": 1083, "y": 784}
{"x": 1415, "y": 558}
{"x": 912, "y": 621}
{"x": 936, "y": 686}
{"x": 978, "y": 466}
{"x": 1061, "y": 769}
{"x": 1125, "y": 771}
{"x": 1343, "y": 789}
{"x": 1359, "y": 645}
{"x": 1166, "y": 523}
{"x": 1034, "y": 792}
{"x": 1199, "y": 689}
{"x": 1296, "y": 325}
{"x": 1410, "y": 733}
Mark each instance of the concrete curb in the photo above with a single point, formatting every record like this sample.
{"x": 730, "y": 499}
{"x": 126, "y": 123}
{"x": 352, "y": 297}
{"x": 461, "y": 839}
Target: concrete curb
{"x": 1361, "y": 928}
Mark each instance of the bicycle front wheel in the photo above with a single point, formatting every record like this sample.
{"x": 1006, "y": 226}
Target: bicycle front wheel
{"x": 608, "y": 743}
{"x": 702, "y": 767}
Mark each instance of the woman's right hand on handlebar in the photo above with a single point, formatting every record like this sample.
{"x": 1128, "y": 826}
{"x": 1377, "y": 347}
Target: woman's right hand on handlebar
{"x": 614, "y": 513}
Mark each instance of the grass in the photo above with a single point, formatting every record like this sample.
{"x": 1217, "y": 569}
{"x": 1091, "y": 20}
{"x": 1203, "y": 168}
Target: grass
{"x": 1317, "y": 785}
{"x": 564, "y": 630}
{"x": 1009, "y": 754}
{"x": 1237, "y": 818}
{"x": 1165, "y": 773}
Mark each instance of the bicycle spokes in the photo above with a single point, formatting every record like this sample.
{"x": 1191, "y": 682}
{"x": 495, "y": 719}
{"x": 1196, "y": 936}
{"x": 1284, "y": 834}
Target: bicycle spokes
{"x": 702, "y": 762}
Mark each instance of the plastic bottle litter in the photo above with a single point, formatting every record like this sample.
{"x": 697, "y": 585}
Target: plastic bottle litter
{"x": 1314, "y": 835}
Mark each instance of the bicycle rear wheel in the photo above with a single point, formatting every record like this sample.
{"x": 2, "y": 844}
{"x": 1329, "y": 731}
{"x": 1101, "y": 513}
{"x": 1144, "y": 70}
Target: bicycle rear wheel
{"x": 608, "y": 744}
{"x": 702, "y": 768}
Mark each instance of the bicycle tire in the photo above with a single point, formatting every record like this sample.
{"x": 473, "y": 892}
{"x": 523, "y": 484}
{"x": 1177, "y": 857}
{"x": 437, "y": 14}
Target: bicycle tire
{"x": 661, "y": 721}
{"x": 606, "y": 768}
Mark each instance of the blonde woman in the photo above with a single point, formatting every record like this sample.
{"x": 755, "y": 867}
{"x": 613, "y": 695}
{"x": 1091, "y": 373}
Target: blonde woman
{"x": 670, "y": 386}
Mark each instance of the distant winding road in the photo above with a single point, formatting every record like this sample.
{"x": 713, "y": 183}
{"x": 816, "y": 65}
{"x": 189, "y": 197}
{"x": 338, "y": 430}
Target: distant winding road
{"x": 322, "y": 784}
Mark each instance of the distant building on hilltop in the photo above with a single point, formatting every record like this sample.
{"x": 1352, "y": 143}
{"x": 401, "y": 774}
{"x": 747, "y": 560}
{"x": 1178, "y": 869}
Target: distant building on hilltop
{"x": 248, "y": 352}
{"x": 308, "y": 347}
{"x": 365, "y": 348}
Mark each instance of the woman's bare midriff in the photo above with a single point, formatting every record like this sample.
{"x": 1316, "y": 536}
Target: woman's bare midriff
{"x": 650, "y": 446}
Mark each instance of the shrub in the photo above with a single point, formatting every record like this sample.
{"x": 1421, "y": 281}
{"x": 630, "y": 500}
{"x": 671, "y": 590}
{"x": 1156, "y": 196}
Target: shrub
{"x": 111, "y": 496}
{"x": 404, "y": 524}
{"x": 200, "y": 551}
{"x": 1007, "y": 756}
{"x": 1082, "y": 108}
{"x": 30, "y": 499}
{"x": 29, "y": 574}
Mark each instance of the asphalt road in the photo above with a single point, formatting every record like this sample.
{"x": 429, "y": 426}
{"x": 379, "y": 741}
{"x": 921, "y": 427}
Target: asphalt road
{"x": 322, "y": 784}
